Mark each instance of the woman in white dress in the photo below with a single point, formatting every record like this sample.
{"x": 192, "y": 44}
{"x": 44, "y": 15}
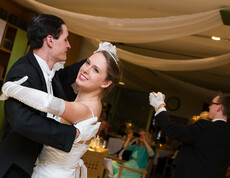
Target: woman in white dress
{"x": 101, "y": 71}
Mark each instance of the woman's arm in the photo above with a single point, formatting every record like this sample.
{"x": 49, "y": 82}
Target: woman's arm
{"x": 130, "y": 136}
{"x": 75, "y": 112}
{"x": 32, "y": 124}
{"x": 148, "y": 147}
{"x": 42, "y": 101}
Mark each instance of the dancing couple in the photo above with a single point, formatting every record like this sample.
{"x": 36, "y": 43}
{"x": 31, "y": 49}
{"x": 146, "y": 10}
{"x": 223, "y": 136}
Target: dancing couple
{"x": 40, "y": 125}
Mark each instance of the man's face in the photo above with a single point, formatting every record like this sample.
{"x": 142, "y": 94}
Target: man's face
{"x": 61, "y": 46}
{"x": 214, "y": 107}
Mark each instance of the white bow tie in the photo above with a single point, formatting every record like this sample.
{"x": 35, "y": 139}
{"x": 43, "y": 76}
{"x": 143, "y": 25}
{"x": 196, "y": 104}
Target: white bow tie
{"x": 57, "y": 66}
{"x": 51, "y": 75}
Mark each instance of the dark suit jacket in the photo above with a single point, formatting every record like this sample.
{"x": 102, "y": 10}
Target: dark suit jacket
{"x": 205, "y": 152}
{"x": 26, "y": 129}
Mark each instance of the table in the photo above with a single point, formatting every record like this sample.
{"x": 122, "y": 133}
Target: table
{"x": 109, "y": 166}
{"x": 115, "y": 144}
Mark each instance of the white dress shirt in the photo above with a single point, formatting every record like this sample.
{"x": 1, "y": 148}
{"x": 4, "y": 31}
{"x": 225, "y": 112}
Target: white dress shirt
{"x": 160, "y": 110}
{"x": 218, "y": 119}
{"x": 163, "y": 109}
{"x": 48, "y": 75}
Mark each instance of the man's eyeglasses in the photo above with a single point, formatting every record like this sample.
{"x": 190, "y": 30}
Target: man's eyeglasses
{"x": 214, "y": 103}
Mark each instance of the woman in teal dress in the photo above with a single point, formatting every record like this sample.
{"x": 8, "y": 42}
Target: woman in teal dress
{"x": 139, "y": 157}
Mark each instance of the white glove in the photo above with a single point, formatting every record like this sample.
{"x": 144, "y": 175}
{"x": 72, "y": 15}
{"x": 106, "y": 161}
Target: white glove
{"x": 87, "y": 128}
{"x": 34, "y": 98}
{"x": 4, "y": 96}
{"x": 156, "y": 99}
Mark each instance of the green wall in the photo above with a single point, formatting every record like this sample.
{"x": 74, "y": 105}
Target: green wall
{"x": 18, "y": 51}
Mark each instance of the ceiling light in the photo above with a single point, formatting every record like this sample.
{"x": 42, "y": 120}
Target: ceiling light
{"x": 121, "y": 83}
{"x": 216, "y": 38}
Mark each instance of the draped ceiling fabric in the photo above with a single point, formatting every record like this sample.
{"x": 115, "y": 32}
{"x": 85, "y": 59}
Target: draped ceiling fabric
{"x": 179, "y": 85}
{"x": 174, "y": 65}
{"x": 142, "y": 31}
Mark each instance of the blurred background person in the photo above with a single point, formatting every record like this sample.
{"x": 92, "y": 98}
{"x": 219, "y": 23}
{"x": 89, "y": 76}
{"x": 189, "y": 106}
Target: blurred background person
{"x": 205, "y": 149}
{"x": 123, "y": 154}
{"x": 102, "y": 132}
{"x": 140, "y": 154}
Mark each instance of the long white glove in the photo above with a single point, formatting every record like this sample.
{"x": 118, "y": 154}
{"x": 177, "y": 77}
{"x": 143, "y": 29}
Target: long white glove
{"x": 34, "y": 98}
{"x": 4, "y": 96}
{"x": 88, "y": 129}
{"x": 156, "y": 99}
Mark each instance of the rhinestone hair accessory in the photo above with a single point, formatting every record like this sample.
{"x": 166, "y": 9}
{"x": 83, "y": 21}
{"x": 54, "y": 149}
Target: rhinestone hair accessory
{"x": 111, "y": 49}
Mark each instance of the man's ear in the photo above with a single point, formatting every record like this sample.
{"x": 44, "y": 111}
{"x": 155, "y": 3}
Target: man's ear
{"x": 49, "y": 40}
{"x": 219, "y": 108}
{"x": 106, "y": 84}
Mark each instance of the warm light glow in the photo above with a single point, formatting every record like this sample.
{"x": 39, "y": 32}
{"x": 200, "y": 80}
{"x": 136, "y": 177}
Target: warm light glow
{"x": 160, "y": 145}
{"x": 216, "y": 38}
{"x": 195, "y": 118}
{"x": 130, "y": 124}
{"x": 121, "y": 83}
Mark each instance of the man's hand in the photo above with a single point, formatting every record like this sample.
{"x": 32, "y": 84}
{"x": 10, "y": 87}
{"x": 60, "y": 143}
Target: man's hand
{"x": 156, "y": 100}
{"x": 87, "y": 128}
{"x": 6, "y": 88}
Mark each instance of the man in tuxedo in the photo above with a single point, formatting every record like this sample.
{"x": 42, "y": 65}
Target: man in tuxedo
{"x": 206, "y": 147}
{"x": 26, "y": 129}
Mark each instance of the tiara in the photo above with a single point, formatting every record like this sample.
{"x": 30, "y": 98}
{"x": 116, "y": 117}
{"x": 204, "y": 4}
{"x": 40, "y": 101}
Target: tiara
{"x": 111, "y": 49}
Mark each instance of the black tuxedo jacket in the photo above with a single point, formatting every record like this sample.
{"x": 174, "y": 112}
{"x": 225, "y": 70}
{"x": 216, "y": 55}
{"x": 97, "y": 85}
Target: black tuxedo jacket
{"x": 26, "y": 129}
{"x": 205, "y": 152}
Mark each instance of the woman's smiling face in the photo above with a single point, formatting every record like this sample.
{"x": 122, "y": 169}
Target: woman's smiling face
{"x": 93, "y": 73}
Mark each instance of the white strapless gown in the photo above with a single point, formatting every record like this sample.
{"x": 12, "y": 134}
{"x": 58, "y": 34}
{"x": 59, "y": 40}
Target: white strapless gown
{"x": 54, "y": 163}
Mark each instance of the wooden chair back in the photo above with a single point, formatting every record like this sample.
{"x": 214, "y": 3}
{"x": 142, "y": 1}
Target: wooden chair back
{"x": 94, "y": 161}
{"x": 143, "y": 172}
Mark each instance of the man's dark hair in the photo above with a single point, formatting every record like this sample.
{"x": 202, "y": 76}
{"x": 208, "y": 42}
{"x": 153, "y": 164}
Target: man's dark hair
{"x": 40, "y": 27}
{"x": 224, "y": 100}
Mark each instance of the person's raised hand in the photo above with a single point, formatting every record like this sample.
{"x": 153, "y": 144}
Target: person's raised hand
{"x": 142, "y": 138}
{"x": 130, "y": 135}
{"x": 156, "y": 99}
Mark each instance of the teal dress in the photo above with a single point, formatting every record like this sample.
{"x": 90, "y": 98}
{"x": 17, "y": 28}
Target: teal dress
{"x": 139, "y": 161}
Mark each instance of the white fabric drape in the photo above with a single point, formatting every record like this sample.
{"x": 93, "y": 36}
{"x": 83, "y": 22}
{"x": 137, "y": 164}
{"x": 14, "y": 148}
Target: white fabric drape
{"x": 181, "y": 87}
{"x": 140, "y": 30}
{"x": 170, "y": 64}
{"x": 174, "y": 65}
